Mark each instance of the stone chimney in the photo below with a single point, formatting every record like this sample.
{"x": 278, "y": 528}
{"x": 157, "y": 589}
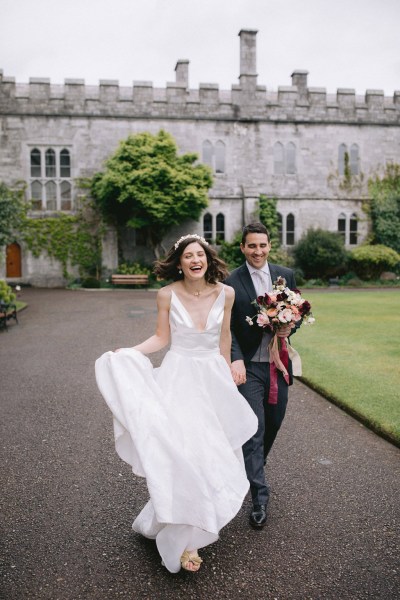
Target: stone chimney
{"x": 248, "y": 70}
{"x": 182, "y": 72}
{"x": 299, "y": 79}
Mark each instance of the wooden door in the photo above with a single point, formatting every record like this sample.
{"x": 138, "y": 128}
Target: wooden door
{"x": 13, "y": 260}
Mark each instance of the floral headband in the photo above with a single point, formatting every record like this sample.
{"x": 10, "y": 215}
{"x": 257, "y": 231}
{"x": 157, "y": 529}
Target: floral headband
{"x": 190, "y": 235}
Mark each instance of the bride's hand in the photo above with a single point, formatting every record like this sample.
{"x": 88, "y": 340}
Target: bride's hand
{"x": 238, "y": 371}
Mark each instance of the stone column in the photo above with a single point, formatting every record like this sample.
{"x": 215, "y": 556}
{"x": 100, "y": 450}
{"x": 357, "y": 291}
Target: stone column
{"x": 248, "y": 69}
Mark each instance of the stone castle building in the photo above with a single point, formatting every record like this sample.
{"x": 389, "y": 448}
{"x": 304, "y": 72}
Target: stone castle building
{"x": 312, "y": 151}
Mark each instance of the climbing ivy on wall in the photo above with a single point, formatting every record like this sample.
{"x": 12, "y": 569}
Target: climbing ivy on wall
{"x": 72, "y": 240}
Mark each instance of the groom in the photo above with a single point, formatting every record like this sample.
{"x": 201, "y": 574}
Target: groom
{"x": 250, "y": 358}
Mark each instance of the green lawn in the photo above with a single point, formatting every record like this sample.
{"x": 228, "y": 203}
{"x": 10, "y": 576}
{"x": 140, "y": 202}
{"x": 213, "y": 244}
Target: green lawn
{"x": 352, "y": 353}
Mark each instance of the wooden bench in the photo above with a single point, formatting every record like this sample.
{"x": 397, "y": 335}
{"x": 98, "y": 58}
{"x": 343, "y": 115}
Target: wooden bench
{"x": 7, "y": 312}
{"x": 117, "y": 279}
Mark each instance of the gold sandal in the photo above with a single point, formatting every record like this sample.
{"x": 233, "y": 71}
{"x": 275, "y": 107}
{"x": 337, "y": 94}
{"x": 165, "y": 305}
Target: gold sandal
{"x": 191, "y": 556}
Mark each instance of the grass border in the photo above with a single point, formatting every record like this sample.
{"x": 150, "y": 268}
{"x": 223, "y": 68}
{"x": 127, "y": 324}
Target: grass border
{"x": 377, "y": 429}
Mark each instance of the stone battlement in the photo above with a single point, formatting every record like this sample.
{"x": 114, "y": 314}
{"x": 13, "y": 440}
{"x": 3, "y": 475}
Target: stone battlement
{"x": 245, "y": 101}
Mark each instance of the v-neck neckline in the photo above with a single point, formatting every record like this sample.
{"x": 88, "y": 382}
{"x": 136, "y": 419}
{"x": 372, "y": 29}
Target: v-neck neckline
{"x": 189, "y": 315}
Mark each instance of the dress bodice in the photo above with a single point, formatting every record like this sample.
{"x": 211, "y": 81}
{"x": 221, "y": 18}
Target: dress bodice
{"x": 185, "y": 337}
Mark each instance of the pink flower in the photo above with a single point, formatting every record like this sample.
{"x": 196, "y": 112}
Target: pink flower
{"x": 262, "y": 319}
{"x": 272, "y": 312}
{"x": 285, "y": 316}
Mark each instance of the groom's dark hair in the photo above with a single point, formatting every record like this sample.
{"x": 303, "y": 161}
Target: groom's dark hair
{"x": 254, "y": 228}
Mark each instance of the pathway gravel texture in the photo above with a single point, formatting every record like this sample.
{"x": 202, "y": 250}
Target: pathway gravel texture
{"x": 68, "y": 501}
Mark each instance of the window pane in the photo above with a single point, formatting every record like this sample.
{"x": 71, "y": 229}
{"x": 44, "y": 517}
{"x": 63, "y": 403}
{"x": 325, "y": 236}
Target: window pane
{"x": 290, "y": 230}
{"x": 207, "y": 153}
{"x": 291, "y": 159}
{"x": 219, "y": 158}
{"x": 353, "y": 230}
{"x": 342, "y": 151}
{"x": 220, "y": 223}
{"x": 279, "y": 166}
{"x": 65, "y": 164}
{"x": 354, "y": 160}
{"x": 65, "y": 189}
{"x": 207, "y": 226}
{"x": 51, "y": 195}
{"x": 36, "y": 195}
{"x": 50, "y": 163}
{"x": 36, "y": 169}
{"x": 342, "y": 226}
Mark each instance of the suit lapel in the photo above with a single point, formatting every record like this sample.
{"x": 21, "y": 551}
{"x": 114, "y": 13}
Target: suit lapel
{"x": 247, "y": 282}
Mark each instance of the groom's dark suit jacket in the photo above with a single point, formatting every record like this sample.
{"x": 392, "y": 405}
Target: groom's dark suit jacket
{"x": 246, "y": 339}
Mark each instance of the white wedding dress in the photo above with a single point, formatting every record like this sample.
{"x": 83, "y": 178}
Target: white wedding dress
{"x": 182, "y": 427}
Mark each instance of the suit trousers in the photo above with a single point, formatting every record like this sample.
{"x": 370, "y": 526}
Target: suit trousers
{"x": 270, "y": 417}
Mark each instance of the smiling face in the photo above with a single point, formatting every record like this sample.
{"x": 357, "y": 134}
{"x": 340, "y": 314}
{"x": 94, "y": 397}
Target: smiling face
{"x": 193, "y": 261}
{"x": 256, "y": 249}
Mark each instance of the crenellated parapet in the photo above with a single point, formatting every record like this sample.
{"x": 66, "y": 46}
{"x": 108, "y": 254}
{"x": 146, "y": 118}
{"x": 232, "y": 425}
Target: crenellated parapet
{"x": 246, "y": 100}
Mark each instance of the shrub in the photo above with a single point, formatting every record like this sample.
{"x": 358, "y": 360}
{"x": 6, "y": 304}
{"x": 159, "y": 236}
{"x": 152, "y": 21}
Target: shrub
{"x": 320, "y": 254}
{"x": 91, "y": 282}
{"x": 136, "y": 268}
{"x": 6, "y": 293}
{"x": 370, "y": 261}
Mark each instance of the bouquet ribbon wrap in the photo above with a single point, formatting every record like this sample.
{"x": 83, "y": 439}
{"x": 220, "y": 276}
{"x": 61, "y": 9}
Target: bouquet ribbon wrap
{"x": 279, "y": 354}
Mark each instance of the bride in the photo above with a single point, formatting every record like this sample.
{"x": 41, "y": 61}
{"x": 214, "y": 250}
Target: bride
{"x": 182, "y": 426}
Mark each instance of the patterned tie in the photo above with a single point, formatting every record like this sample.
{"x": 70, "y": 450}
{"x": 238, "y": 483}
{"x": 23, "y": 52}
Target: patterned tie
{"x": 262, "y": 282}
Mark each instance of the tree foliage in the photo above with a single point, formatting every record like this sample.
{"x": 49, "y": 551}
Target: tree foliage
{"x": 146, "y": 184}
{"x": 13, "y": 209}
{"x": 320, "y": 254}
{"x": 385, "y": 208}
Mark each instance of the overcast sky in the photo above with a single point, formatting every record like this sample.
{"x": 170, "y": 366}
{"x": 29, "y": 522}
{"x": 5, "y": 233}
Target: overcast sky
{"x": 342, "y": 43}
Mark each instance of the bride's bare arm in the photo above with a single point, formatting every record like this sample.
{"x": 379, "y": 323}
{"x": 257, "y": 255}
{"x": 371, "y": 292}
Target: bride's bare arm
{"x": 226, "y": 337}
{"x": 161, "y": 337}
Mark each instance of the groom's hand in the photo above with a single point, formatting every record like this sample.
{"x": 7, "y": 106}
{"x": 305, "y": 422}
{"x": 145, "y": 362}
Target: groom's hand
{"x": 238, "y": 371}
{"x": 285, "y": 330}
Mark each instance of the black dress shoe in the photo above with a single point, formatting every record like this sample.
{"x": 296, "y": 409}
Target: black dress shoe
{"x": 258, "y": 516}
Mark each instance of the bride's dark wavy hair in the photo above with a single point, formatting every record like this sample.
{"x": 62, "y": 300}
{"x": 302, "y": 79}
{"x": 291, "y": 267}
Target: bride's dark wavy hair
{"x": 168, "y": 268}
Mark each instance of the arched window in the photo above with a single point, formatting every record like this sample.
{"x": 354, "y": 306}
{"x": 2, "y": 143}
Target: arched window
{"x": 207, "y": 153}
{"x": 291, "y": 158}
{"x": 36, "y": 163}
{"x": 220, "y": 157}
{"x": 353, "y": 230}
{"x": 36, "y": 195}
{"x": 279, "y": 159}
{"x": 50, "y": 163}
{"x": 51, "y": 195}
{"x": 342, "y": 226}
{"x": 65, "y": 189}
{"x": 207, "y": 227}
{"x": 290, "y": 230}
{"x": 220, "y": 228}
{"x": 65, "y": 163}
{"x": 280, "y": 228}
{"x": 354, "y": 160}
{"x": 341, "y": 162}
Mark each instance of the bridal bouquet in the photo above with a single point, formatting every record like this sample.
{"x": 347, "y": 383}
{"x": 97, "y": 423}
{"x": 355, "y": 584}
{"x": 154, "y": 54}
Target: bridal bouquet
{"x": 281, "y": 306}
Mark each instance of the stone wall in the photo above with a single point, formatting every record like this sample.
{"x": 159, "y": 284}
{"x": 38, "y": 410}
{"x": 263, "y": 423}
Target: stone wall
{"x": 249, "y": 120}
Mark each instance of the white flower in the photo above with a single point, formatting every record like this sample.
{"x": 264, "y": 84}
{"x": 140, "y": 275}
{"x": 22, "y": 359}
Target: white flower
{"x": 249, "y": 320}
{"x": 17, "y": 288}
{"x": 310, "y": 320}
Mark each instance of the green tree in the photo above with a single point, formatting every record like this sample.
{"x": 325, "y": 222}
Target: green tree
{"x": 385, "y": 207}
{"x": 13, "y": 209}
{"x": 269, "y": 217}
{"x": 320, "y": 254}
{"x": 147, "y": 185}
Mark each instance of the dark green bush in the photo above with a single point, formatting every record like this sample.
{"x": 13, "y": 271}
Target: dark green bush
{"x": 91, "y": 282}
{"x": 368, "y": 262}
{"x": 321, "y": 254}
